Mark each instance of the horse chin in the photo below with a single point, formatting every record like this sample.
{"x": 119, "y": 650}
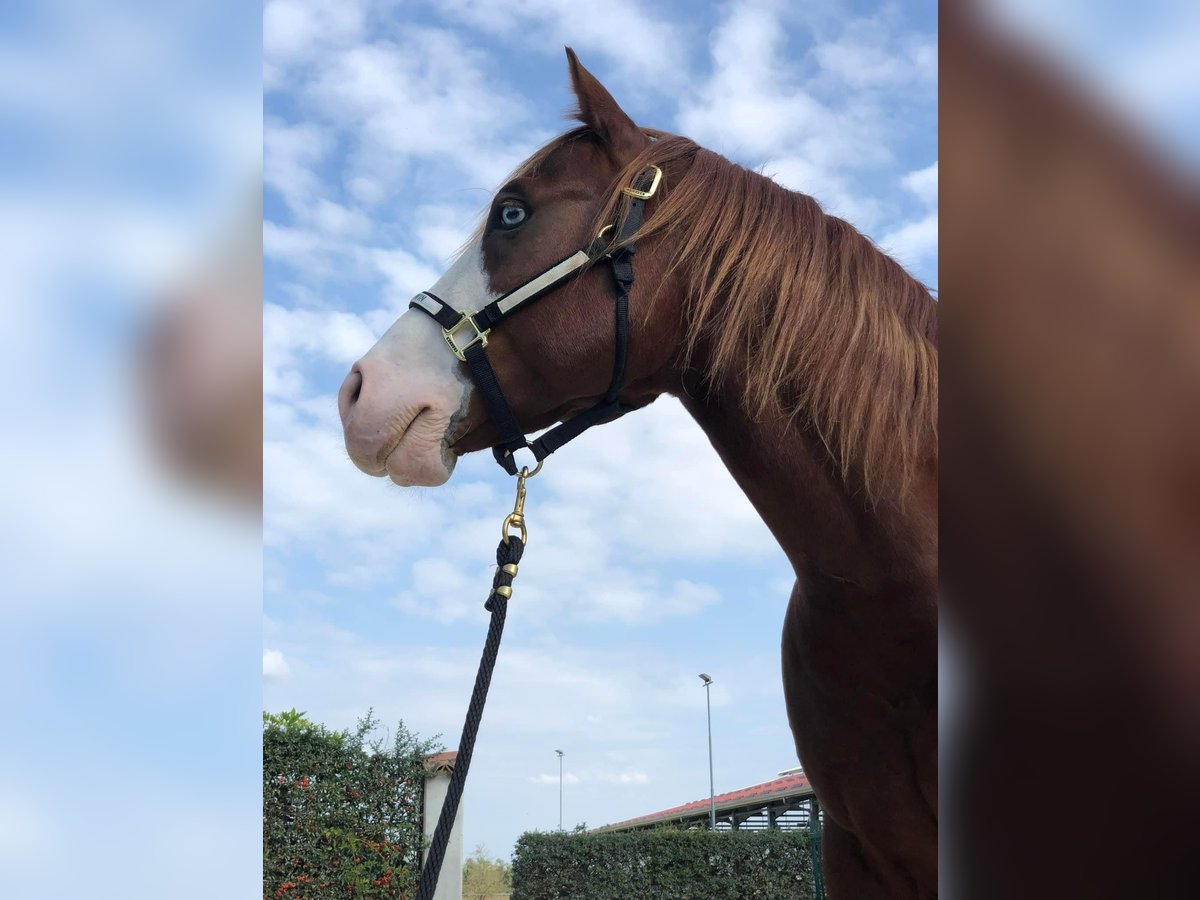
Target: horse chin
{"x": 428, "y": 468}
{"x": 421, "y": 458}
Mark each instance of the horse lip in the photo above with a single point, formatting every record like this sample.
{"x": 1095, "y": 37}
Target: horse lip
{"x": 389, "y": 447}
{"x": 393, "y": 443}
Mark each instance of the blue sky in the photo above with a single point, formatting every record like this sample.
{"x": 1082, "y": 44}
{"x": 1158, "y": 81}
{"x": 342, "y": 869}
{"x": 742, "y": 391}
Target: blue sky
{"x": 387, "y": 127}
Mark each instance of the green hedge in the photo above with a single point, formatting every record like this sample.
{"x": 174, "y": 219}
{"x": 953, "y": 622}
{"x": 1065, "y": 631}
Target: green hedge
{"x": 664, "y": 864}
{"x": 341, "y": 812}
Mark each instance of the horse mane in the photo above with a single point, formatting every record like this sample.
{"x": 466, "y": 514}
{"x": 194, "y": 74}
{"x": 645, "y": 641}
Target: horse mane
{"x": 796, "y": 307}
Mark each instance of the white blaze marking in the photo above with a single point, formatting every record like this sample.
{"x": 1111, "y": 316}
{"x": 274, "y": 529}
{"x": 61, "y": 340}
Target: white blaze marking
{"x": 415, "y": 344}
{"x": 465, "y": 284}
{"x": 423, "y": 371}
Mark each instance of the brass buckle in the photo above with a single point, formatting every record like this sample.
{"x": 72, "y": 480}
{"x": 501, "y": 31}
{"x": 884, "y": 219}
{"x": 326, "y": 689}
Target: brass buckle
{"x": 460, "y": 351}
{"x": 646, "y": 194}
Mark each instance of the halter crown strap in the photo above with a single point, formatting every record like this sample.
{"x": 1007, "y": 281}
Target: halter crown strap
{"x": 466, "y": 334}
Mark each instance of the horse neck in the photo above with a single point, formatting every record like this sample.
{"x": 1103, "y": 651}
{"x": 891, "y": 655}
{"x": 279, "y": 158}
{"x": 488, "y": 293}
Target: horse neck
{"x": 827, "y": 530}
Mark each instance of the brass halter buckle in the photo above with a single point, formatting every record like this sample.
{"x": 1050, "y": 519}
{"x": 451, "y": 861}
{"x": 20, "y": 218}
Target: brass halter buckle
{"x": 460, "y": 350}
{"x": 649, "y": 192}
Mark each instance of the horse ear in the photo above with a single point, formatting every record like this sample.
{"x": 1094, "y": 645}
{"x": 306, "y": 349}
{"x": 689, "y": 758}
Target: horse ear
{"x": 600, "y": 112}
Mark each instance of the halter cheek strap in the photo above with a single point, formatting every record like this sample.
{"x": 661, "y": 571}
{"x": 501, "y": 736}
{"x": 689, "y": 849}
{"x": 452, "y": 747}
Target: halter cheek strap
{"x": 466, "y": 334}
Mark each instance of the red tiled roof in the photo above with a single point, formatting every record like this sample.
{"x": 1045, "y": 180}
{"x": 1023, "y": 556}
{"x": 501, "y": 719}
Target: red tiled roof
{"x": 765, "y": 792}
{"x": 441, "y": 762}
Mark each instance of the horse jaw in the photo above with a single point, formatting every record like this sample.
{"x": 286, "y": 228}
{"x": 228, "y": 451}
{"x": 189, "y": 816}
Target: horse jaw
{"x": 402, "y": 402}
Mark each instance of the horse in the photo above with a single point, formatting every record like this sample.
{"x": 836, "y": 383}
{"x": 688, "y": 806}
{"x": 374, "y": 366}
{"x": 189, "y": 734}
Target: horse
{"x": 809, "y": 359}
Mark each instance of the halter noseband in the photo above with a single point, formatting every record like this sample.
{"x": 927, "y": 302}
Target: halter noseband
{"x": 474, "y": 329}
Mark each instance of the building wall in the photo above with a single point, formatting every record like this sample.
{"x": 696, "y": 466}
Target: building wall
{"x": 450, "y": 884}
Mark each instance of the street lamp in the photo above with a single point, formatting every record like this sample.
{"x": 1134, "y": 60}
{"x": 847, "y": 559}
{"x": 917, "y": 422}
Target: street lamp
{"x": 560, "y": 756}
{"x": 712, "y": 799}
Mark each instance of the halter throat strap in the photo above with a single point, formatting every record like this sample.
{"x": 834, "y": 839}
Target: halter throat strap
{"x": 466, "y": 334}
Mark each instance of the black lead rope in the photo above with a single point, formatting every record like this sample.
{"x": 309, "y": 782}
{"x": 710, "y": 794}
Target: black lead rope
{"x": 508, "y": 553}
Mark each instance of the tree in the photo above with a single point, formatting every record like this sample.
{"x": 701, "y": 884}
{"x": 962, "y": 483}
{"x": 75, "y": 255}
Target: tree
{"x": 486, "y": 879}
{"x": 341, "y": 811}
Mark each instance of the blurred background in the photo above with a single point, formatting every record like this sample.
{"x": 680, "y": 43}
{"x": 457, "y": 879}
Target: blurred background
{"x": 1071, "y": 467}
{"x": 130, "y": 358}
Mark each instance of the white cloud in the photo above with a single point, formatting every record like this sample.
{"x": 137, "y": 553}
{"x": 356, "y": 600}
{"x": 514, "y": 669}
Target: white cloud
{"x": 542, "y": 689}
{"x": 443, "y": 591}
{"x": 302, "y": 249}
{"x": 334, "y": 218}
{"x": 426, "y": 95}
{"x": 441, "y": 230}
{"x": 274, "y": 665}
{"x": 913, "y": 242}
{"x": 366, "y": 189}
{"x": 832, "y": 189}
{"x": 552, "y": 778}
{"x": 751, "y": 103}
{"x": 608, "y": 520}
{"x": 600, "y": 777}
{"x": 815, "y": 122}
{"x": 290, "y": 155}
{"x": 27, "y": 831}
{"x": 315, "y": 500}
{"x": 627, "y": 778}
{"x": 610, "y": 29}
{"x": 872, "y": 52}
{"x": 294, "y": 337}
{"x": 916, "y": 241}
{"x": 297, "y": 31}
{"x": 404, "y": 274}
{"x": 924, "y": 184}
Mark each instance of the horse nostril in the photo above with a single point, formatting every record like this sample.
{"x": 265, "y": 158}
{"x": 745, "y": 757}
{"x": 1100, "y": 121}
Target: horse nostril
{"x": 350, "y": 391}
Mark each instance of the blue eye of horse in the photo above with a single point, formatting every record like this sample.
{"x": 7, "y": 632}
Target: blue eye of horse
{"x": 513, "y": 214}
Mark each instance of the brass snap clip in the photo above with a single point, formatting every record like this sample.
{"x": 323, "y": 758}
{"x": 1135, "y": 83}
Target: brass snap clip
{"x": 516, "y": 518}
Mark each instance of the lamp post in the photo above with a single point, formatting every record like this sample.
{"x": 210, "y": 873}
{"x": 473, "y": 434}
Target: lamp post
{"x": 712, "y": 799}
{"x": 560, "y": 757}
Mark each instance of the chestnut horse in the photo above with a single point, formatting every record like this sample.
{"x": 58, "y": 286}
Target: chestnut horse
{"x": 808, "y": 357}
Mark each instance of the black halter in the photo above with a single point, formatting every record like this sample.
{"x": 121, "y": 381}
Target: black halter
{"x": 475, "y": 328}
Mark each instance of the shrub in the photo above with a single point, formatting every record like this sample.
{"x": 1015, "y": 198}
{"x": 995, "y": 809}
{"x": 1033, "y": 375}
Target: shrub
{"x": 666, "y": 864}
{"x": 485, "y": 878}
{"x": 341, "y": 813}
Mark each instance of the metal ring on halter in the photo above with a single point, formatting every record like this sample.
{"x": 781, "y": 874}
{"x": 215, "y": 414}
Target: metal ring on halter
{"x": 600, "y": 235}
{"x": 525, "y": 471}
